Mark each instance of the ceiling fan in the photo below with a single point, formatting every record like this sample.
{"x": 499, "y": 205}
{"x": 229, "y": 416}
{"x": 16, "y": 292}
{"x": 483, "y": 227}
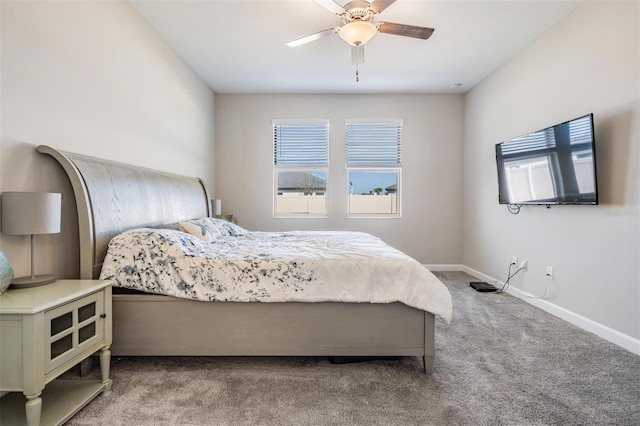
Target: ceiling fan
{"x": 357, "y": 17}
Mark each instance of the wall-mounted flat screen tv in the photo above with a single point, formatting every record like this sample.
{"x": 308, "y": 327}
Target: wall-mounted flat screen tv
{"x": 556, "y": 165}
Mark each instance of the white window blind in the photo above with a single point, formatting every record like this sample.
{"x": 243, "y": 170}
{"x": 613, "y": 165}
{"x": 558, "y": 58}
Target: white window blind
{"x": 374, "y": 144}
{"x": 301, "y": 143}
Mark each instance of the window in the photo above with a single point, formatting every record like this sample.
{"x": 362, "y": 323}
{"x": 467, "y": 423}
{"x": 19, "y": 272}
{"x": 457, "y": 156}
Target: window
{"x": 374, "y": 165}
{"x": 300, "y": 164}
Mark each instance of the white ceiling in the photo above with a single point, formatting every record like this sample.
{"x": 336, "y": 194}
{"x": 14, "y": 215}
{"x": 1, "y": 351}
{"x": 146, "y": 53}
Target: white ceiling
{"x": 239, "y": 46}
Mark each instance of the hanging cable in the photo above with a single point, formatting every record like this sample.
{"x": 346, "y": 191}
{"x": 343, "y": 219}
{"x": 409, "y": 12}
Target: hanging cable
{"x": 514, "y": 208}
{"x": 505, "y": 286}
{"x": 544, "y": 295}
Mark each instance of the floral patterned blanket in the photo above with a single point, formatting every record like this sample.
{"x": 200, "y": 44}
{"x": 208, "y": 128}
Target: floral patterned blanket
{"x": 273, "y": 267}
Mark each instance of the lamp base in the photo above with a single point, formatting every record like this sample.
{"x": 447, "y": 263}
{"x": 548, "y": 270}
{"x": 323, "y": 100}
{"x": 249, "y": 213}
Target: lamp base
{"x": 36, "y": 281}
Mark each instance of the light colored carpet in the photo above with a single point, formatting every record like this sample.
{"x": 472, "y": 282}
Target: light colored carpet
{"x": 499, "y": 362}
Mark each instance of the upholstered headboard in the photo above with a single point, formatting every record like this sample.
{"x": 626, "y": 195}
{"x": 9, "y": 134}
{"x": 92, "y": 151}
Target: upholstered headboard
{"x": 113, "y": 197}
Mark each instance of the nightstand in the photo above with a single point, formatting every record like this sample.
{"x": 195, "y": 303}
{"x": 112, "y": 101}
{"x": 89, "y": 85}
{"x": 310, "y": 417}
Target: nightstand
{"x": 44, "y": 331}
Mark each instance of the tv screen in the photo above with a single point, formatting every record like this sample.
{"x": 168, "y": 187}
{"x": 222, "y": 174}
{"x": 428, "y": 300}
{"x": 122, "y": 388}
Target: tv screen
{"x": 556, "y": 165}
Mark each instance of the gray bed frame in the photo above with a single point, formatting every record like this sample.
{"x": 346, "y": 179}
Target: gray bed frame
{"x": 113, "y": 197}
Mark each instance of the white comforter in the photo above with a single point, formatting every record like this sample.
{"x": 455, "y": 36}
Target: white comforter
{"x": 273, "y": 267}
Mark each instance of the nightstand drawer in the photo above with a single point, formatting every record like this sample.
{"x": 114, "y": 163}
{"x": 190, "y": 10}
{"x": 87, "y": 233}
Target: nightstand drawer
{"x": 72, "y": 329}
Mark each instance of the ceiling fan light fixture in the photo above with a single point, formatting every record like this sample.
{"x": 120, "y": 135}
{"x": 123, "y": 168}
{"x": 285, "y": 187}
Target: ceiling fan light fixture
{"x": 357, "y": 32}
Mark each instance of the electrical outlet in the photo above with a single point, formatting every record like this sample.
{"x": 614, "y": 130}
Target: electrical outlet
{"x": 514, "y": 260}
{"x": 549, "y": 272}
{"x": 524, "y": 265}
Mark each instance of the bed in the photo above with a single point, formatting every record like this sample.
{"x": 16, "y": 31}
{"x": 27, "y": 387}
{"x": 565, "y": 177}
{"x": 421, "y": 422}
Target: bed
{"x": 114, "y": 197}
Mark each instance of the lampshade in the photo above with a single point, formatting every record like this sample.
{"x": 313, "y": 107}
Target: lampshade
{"x": 217, "y": 207}
{"x": 357, "y": 32}
{"x": 29, "y": 213}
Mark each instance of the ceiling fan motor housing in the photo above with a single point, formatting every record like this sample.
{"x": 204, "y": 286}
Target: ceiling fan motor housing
{"x": 357, "y": 10}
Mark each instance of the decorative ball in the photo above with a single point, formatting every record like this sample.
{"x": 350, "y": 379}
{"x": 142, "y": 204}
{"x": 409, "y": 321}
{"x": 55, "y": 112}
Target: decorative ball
{"x": 6, "y": 273}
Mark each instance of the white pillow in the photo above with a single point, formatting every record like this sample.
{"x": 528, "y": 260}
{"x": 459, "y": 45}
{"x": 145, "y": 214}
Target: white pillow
{"x": 200, "y": 228}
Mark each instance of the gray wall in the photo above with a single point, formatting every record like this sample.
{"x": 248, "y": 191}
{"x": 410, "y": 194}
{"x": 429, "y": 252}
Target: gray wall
{"x": 92, "y": 78}
{"x": 431, "y": 224}
{"x": 586, "y": 63}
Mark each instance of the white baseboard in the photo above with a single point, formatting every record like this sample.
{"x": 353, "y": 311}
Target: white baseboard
{"x": 629, "y": 343}
{"x": 444, "y": 268}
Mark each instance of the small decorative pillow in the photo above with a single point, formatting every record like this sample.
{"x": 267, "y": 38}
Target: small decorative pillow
{"x": 226, "y": 228}
{"x": 6, "y": 273}
{"x": 200, "y": 228}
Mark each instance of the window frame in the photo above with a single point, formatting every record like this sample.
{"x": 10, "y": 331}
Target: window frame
{"x": 299, "y": 167}
{"x": 373, "y": 167}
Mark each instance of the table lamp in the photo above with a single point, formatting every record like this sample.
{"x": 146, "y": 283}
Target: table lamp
{"x": 31, "y": 213}
{"x": 217, "y": 208}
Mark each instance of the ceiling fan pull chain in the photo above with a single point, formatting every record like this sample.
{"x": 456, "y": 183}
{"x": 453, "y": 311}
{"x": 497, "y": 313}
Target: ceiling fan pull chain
{"x": 357, "y": 75}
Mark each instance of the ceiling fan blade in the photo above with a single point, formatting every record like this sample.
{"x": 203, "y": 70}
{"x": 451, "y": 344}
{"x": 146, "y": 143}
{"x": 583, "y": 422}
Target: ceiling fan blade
{"x": 331, "y": 6}
{"x": 312, "y": 37}
{"x": 405, "y": 30}
{"x": 357, "y": 54}
{"x": 378, "y": 6}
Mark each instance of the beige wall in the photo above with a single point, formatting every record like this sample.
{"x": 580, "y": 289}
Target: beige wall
{"x": 92, "y": 78}
{"x": 430, "y": 227}
{"x": 586, "y": 63}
